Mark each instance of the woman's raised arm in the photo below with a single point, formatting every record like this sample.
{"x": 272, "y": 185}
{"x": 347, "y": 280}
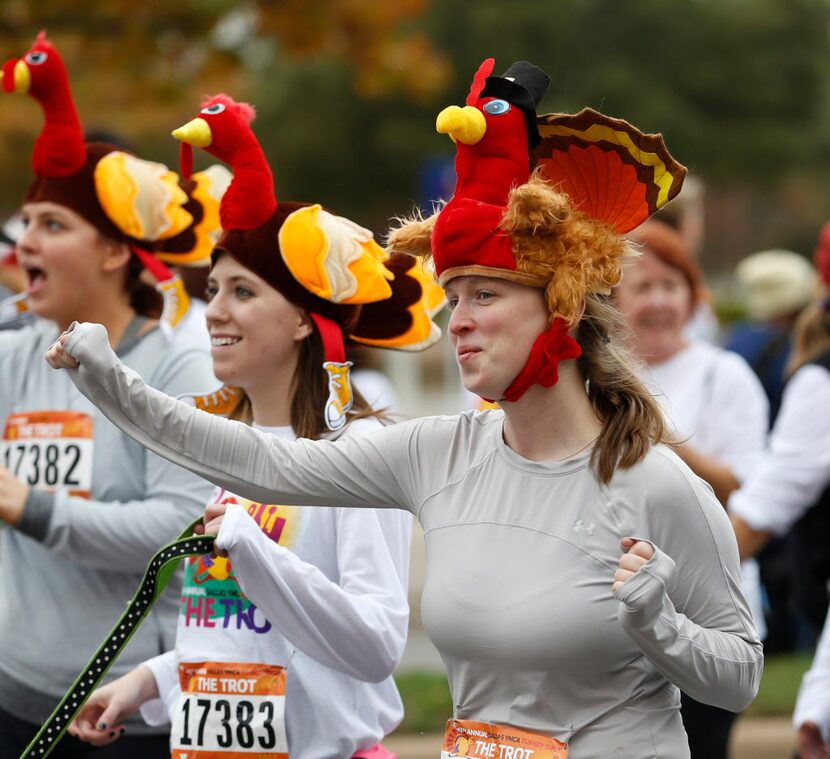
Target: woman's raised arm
{"x": 369, "y": 471}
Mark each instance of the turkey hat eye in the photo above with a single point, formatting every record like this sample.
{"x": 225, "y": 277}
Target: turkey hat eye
{"x": 214, "y": 109}
{"x": 35, "y": 58}
{"x": 497, "y": 107}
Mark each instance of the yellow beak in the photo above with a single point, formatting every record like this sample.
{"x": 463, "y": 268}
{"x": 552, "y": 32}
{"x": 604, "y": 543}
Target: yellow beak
{"x": 22, "y": 77}
{"x": 465, "y": 125}
{"x": 196, "y": 133}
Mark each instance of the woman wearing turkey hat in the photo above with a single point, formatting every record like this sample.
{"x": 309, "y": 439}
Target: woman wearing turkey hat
{"x": 82, "y": 508}
{"x": 577, "y": 573}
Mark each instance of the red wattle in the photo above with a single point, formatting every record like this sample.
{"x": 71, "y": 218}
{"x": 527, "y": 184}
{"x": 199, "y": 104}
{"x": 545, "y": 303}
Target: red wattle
{"x": 8, "y": 74}
{"x": 542, "y": 367}
{"x": 185, "y": 160}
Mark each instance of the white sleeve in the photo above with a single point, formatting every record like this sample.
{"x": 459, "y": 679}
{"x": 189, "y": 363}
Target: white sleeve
{"x": 796, "y": 468}
{"x": 378, "y": 470}
{"x": 165, "y": 669}
{"x": 737, "y": 416}
{"x": 813, "y": 703}
{"x": 357, "y": 625}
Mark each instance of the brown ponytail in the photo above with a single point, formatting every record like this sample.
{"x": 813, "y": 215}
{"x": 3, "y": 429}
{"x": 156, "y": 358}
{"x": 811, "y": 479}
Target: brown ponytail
{"x": 632, "y": 421}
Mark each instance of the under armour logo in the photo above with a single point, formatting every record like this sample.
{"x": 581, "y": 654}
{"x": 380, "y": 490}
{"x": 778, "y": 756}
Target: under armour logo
{"x": 580, "y": 526}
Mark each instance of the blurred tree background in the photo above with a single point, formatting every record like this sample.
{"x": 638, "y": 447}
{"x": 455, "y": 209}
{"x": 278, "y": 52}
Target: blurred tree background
{"x": 347, "y": 91}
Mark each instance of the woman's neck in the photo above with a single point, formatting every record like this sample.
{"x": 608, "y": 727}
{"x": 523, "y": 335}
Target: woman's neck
{"x": 271, "y": 397}
{"x": 554, "y": 423}
{"x": 115, "y": 314}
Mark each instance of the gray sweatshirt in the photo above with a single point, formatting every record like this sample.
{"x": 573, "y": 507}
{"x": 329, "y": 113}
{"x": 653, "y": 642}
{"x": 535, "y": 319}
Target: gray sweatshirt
{"x": 69, "y": 568}
{"x": 520, "y": 559}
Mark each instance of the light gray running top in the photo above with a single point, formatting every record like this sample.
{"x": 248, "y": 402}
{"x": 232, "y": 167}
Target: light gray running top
{"x": 70, "y": 566}
{"x": 520, "y": 558}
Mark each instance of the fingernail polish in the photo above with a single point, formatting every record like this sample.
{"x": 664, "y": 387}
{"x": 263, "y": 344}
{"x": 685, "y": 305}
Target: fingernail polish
{"x": 102, "y": 726}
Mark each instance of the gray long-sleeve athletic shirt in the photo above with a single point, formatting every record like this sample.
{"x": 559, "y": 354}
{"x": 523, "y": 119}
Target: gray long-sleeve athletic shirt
{"x": 520, "y": 558}
{"x": 71, "y": 565}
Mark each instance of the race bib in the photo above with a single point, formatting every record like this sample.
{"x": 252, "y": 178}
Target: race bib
{"x": 483, "y": 740}
{"x": 230, "y": 711}
{"x": 50, "y": 450}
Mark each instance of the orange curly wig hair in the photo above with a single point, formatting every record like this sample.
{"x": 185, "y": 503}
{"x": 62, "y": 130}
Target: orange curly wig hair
{"x": 567, "y": 252}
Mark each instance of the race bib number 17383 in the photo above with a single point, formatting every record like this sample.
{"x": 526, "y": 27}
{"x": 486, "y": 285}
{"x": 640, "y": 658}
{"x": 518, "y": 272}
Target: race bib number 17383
{"x": 230, "y": 711}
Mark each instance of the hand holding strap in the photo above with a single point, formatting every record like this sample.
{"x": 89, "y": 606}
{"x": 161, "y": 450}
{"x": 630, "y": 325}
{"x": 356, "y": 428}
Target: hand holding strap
{"x": 156, "y": 576}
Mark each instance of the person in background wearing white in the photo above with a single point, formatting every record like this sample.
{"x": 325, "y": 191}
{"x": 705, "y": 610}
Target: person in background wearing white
{"x": 790, "y": 493}
{"x": 715, "y": 406}
{"x": 795, "y": 469}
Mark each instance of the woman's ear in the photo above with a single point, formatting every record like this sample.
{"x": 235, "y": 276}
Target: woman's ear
{"x": 304, "y": 325}
{"x": 573, "y": 326}
{"x": 116, "y": 255}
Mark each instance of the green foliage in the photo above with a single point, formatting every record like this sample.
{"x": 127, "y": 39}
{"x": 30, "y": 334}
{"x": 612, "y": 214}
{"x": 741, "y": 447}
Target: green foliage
{"x": 729, "y": 310}
{"x": 779, "y": 686}
{"x": 347, "y": 90}
{"x": 426, "y": 700}
{"x": 737, "y": 88}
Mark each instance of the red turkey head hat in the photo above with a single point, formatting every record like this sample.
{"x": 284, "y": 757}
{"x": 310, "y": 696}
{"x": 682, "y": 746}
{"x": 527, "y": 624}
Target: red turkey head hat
{"x": 325, "y": 264}
{"x": 546, "y": 210}
{"x": 126, "y": 198}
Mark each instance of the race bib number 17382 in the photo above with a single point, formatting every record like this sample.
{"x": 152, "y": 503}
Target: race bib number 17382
{"x": 50, "y": 450}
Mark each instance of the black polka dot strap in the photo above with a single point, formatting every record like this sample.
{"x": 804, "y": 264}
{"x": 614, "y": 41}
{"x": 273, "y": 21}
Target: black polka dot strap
{"x": 157, "y": 575}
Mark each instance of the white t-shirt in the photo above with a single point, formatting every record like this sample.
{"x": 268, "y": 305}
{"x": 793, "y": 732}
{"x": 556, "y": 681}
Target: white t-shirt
{"x": 319, "y": 591}
{"x": 194, "y": 323}
{"x": 714, "y": 401}
{"x": 377, "y": 390}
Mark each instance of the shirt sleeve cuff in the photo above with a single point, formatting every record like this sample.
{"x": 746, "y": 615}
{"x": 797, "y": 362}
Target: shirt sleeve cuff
{"x": 158, "y": 711}
{"x": 740, "y": 507}
{"x": 37, "y": 514}
{"x": 642, "y": 595}
{"x": 233, "y": 523}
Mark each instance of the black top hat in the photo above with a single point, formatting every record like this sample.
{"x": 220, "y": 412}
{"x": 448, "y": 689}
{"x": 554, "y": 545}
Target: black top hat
{"x": 524, "y": 85}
